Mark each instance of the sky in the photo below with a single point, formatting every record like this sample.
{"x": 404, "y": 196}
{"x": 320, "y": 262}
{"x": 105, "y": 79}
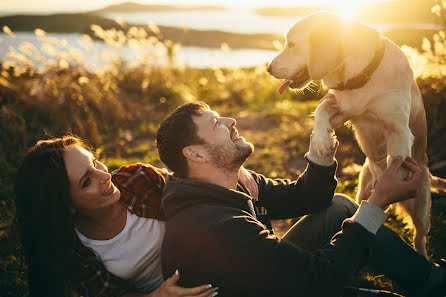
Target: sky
{"x": 49, "y": 6}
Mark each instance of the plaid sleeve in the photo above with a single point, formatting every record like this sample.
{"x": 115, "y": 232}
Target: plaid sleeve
{"x": 141, "y": 186}
{"x": 91, "y": 278}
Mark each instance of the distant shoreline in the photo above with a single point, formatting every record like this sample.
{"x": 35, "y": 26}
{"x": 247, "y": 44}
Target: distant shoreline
{"x": 81, "y": 23}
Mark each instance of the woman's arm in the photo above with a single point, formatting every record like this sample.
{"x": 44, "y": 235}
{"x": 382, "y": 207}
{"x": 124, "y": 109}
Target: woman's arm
{"x": 170, "y": 289}
{"x": 93, "y": 279}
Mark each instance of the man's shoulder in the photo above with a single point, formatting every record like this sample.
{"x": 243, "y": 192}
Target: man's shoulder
{"x": 207, "y": 214}
{"x": 215, "y": 221}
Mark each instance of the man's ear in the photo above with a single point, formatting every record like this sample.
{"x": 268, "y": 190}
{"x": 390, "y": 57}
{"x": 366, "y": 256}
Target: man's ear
{"x": 324, "y": 53}
{"x": 194, "y": 153}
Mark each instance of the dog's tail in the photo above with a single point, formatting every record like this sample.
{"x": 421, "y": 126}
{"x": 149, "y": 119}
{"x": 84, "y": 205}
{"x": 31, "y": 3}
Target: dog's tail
{"x": 438, "y": 184}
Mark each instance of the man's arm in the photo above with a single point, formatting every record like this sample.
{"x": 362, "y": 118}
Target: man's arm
{"x": 252, "y": 262}
{"x": 274, "y": 267}
{"x": 312, "y": 191}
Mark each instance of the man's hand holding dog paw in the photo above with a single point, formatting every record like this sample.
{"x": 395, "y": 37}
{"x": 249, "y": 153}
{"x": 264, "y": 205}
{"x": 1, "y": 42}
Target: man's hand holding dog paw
{"x": 322, "y": 152}
{"x": 338, "y": 117}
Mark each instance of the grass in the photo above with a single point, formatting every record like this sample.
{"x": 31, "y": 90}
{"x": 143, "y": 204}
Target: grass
{"x": 118, "y": 111}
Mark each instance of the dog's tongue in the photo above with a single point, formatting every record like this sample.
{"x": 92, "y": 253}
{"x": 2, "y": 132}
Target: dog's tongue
{"x": 284, "y": 85}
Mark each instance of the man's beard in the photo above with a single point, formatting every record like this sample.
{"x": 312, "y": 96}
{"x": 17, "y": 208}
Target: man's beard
{"x": 229, "y": 156}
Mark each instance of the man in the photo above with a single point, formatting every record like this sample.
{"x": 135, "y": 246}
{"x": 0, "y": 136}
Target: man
{"x": 216, "y": 233}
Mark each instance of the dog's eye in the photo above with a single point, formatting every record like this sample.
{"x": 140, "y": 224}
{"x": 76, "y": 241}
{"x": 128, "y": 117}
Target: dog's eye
{"x": 290, "y": 44}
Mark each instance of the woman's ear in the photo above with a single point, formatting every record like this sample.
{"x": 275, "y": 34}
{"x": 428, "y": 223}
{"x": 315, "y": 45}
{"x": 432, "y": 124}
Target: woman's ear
{"x": 194, "y": 153}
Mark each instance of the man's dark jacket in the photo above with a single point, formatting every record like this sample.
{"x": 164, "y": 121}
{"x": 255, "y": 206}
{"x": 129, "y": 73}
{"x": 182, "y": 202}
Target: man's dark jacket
{"x": 213, "y": 237}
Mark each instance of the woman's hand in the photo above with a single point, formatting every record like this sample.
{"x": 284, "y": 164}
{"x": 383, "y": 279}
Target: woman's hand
{"x": 337, "y": 118}
{"x": 248, "y": 180}
{"x": 170, "y": 289}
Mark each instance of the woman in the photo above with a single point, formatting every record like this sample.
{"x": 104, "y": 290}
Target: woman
{"x": 81, "y": 232}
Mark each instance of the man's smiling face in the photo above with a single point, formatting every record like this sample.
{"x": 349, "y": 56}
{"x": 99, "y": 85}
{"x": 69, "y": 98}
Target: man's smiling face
{"x": 226, "y": 147}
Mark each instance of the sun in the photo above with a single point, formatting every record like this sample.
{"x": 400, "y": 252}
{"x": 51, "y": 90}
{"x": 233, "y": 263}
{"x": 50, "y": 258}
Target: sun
{"x": 348, "y": 8}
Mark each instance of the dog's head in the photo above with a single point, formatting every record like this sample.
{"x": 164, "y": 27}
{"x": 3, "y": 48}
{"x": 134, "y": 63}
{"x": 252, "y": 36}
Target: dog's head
{"x": 314, "y": 48}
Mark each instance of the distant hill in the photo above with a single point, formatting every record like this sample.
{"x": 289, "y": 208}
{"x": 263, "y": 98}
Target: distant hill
{"x": 58, "y": 23}
{"x": 81, "y": 23}
{"x": 396, "y": 11}
{"x": 133, "y": 7}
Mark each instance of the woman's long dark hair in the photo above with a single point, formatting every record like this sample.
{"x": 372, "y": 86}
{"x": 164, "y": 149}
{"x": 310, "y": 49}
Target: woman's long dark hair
{"x": 43, "y": 216}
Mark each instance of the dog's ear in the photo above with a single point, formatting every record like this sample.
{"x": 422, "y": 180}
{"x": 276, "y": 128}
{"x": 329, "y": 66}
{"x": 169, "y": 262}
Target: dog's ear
{"x": 324, "y": 53}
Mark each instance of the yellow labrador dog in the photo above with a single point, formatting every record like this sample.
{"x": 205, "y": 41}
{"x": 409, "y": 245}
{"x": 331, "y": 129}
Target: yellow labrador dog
{"x": 374, "y": 87}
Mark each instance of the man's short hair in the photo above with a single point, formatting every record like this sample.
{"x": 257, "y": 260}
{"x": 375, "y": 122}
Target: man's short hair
{"x": 176, "y": 132}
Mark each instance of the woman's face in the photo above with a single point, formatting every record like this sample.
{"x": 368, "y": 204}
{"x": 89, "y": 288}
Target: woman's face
{"x": 90, "y": 183}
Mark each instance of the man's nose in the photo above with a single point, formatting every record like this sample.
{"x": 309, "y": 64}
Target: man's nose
{"x": 230, "y": 122}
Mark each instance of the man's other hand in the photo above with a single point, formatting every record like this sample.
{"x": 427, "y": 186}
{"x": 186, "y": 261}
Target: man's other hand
{"x": 390, "y": 188}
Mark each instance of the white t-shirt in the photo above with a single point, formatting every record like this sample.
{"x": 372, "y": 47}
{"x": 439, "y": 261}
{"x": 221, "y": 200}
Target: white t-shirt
{"x": 134, "y": 254}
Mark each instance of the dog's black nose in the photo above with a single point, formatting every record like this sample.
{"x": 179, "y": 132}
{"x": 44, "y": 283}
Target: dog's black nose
{"x": 268, "y": 68}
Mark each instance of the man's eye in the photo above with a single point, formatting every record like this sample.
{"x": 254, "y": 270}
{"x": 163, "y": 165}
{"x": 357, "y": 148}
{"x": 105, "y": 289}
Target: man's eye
{"x": 95, "y": 162}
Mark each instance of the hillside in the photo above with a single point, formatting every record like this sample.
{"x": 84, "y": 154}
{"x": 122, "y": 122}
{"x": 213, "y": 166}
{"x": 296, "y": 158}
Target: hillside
{"x": 133, "y": 7}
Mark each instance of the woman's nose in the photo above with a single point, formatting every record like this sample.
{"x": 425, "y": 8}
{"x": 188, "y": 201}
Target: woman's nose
{"x": 101, "y": 166}
{"x": 105, "y": 176}
{"x": 102, "y": 171}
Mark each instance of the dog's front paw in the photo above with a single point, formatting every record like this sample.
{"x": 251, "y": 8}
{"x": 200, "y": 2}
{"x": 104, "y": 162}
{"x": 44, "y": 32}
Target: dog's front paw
{"x": 323, "y": 144}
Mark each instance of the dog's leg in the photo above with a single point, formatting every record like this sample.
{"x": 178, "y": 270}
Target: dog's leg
{"x": 418, "y": 209}
{"x": 399, "y": 142}
{"x": 366, "y": 183}
{"x": 322, "y": 138}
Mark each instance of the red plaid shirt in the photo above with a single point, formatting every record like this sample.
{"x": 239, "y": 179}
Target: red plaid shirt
{"x": 140, "y": 186}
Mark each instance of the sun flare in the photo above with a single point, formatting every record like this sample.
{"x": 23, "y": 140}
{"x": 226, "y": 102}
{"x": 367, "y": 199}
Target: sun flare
{"x": 348, "y": 8}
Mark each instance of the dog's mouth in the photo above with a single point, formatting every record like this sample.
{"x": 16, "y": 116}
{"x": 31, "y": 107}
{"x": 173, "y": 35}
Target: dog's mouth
{"x": 296, "y": 80}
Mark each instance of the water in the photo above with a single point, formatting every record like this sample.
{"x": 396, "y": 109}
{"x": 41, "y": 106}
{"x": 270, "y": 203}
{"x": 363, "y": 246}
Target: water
{"x": 97, "y": 54}
{"x": 238, "y": 20}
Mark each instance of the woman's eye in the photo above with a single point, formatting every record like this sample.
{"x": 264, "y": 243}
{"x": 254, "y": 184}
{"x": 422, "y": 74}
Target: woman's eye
{"x": 86, "y": 182}
{"x": 290, "y": 44}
